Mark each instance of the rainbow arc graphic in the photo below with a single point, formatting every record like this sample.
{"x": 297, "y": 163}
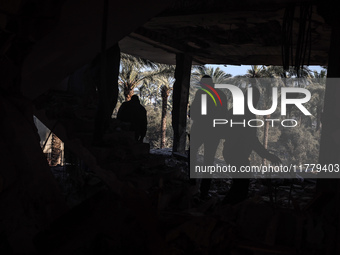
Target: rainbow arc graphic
{"x": 210, "y": 94}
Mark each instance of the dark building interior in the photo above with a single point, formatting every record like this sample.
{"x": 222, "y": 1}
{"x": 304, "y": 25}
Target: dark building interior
{"x": 45, "y": 47}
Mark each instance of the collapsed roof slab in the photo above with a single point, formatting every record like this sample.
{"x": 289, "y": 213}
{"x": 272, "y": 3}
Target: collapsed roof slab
{"x": 249, "y": 32}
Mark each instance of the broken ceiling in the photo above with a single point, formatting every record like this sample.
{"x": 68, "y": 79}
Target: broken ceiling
{"x": 233, "y": 32}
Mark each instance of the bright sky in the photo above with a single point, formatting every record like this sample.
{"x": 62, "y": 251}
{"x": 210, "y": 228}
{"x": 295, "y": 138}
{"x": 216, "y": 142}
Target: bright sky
{"x": 242, "y": 69}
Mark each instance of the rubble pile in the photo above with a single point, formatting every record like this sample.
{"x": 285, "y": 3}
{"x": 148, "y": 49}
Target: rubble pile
{"x": 177, "y": 220}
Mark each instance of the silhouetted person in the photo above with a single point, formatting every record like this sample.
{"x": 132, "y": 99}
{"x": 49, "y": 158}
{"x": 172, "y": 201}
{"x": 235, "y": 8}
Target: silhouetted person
{"x": 134, "y": 113}
{"x": 239, "y": 142}
{"x": 202, "y": 130}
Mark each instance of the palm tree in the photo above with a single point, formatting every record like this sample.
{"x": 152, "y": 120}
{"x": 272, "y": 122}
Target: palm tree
{"x": 266, "y": 87}
{"x": 316, "y": 102}
{"x": 149, "y": 91}
{"x": 317, "y": 90}
{"x": 149, "y": 78}
{"x": 164, "y": 80}
{"x": 217, "y": 74}
{"x": 257, "y": 72}
{"x": 165, "y": 92}
{"x": 279, "y": 72}
{"x": 304, "y": 75}
{"x": 261, "y": 72}
{"x": 131, "y": 76}
{"x": 134, "y": 71}
{"x": 320, "y": 77}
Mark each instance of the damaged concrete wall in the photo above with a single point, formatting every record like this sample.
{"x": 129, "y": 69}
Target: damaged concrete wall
{"x": 30, "y": 198}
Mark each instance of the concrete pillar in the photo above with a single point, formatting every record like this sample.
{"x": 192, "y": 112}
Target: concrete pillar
{"x": 30, "y": 198}
{"x": 330, "y": 136}
{"x": 180, "y": 101}
{"x": 330, "y": 147}
{"x": 107, "y": 88}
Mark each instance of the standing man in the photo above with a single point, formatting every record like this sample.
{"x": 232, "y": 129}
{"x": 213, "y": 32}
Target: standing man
{"x": 202, "y": 126}
{"x": 134, "y": 113}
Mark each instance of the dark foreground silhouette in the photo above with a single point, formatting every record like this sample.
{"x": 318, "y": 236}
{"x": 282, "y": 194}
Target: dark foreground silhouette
{"x": 203, "y": 124}
{"x": 240, "y": 141}
{"x": 134, "y": 113}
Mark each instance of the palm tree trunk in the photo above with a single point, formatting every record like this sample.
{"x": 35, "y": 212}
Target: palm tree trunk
{"x": 318, "y": 119}
{"x": 265, "y": 136}
{"x": 163, "y": 128}
{"x": 165, "y": 91}
{"x": 56, "y": 150}
{"x": 128, "y": 92}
